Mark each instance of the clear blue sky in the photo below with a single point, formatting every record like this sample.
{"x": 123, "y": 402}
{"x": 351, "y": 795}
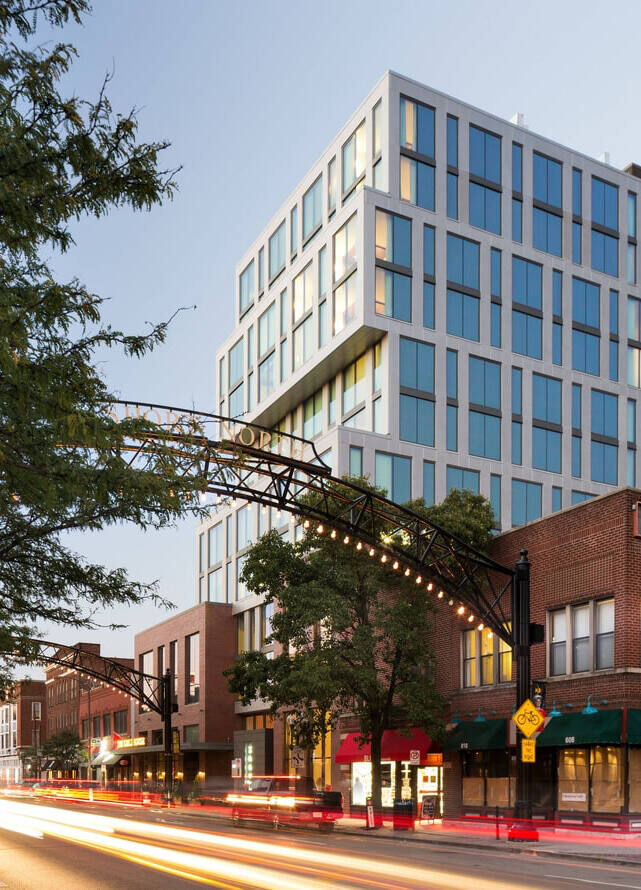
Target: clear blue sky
{"x": 249, "y": 93}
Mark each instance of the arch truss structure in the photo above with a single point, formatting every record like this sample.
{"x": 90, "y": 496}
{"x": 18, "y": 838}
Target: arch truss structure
{"x": 236, "y": 459}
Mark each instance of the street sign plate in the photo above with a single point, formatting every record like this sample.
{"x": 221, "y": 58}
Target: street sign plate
{"x": 528, "y": 718}
{"x": 415, "y": 757}
{"x": 528, "y": 750}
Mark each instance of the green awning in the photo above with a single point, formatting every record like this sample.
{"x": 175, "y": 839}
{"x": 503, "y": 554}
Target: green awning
{"x": 634, "y": 726}
{"x": 473, "y": 735}
{"x": 602, "y": 728}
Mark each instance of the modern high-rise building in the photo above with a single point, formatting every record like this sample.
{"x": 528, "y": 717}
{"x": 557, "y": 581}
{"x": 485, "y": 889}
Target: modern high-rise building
{"x": 446, "y": 300}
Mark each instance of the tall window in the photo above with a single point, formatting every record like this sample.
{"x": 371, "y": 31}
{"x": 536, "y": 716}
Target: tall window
{"x": 417, "y": 392}
{"x": 354, "y": 389}
{"x": 485, "y": 408}
{"x": 631, "y": 256}
{"x": 547, "y": 213}
{"x": 605, "y": 227}
{"x": 246, "y": 287}
{"x": 345, "y": 249}
{"x": 354, "y": 158}
{"x": 581, "y": 638}
{"x": 452, "y": 167}
{"x": 331, "y": 187}
{"x": 215, "y": 544}
{"x": 313, "y": 209}
{"x": 277, "y": 252}
{"x": 393, "y": 473}
{"x": 463, "y": 480}
{"x": 451, "y": 415}
{"x": 267, "y": 330}
{"x": 487, "y": 660}
{"x": 417, "y": 153}
{"x": 546, "y": 423}
{"x": 527, "y": 312}
{"x": 417, "y": 127}
{"x": 313, "y": 415}
{"x": 293, "y": 231}
{"x": 345, "y": 303}
{"x": 393, "y": 249}
{"x": 192, "y": 668}
{"x": 526, "y": 501}
{"x": 244, "y": 534}
{"x": 586, "y": 329}
{"x": 485, "y": 180}
{"x": 605, "y": 437}
{"x": 463, "y": 294}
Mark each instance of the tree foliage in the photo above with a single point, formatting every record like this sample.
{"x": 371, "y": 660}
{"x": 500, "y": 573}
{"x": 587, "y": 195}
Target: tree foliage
{"x": 66, "y": 748}
{"x": 65, "y": 463}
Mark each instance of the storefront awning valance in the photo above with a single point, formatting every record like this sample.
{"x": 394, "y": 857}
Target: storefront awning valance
{"x": 108, "y": 758}
{"x": 394, "y": 746}
{"x": 634, "y": 726}
{"x": 602, "y": 728}
{"x": 477, "y": 735}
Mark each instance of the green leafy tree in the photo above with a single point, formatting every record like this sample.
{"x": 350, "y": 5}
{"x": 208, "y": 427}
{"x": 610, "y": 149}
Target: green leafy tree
{"x": 66, "y": 748}
{"x": 32, "y": 762}
{"x": 65, "y": 462}
{"x": 354, "y": 639}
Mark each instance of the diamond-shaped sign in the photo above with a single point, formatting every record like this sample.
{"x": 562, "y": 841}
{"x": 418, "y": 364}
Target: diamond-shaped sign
{"x": 528, "y": 718}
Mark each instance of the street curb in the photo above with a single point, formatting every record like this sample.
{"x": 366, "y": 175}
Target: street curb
{"x": 502, "y": 845}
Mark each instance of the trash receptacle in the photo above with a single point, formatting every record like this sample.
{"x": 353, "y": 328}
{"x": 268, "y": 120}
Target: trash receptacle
{"x": 403, "y": 818}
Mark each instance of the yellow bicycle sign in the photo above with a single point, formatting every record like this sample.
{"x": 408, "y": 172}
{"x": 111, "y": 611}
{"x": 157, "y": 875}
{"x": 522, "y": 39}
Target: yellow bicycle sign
{"x": 528, "y": 718}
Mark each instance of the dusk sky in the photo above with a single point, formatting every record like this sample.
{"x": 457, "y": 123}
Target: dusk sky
{"x": 249, "y": 94}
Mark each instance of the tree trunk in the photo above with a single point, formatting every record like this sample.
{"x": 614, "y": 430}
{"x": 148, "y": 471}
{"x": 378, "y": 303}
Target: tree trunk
{"x": 376, "y": 777}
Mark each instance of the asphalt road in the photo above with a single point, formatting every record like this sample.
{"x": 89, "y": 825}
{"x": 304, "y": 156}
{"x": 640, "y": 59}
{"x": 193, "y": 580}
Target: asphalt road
{"x": 70, "y": 847}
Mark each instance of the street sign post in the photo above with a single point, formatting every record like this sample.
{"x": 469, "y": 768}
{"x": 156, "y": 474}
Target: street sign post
{"x": 528, "y": 718}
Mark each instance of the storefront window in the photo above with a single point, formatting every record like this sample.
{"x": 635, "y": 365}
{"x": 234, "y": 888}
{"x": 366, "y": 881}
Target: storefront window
{"x": 573, "y": 779}
{"x": 634, "y": 779}
{"x": 607, "y": 779}
{"x": 362, "y": 783}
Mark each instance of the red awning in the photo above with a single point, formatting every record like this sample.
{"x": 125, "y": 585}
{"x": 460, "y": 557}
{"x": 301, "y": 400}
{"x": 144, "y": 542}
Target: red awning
{"x": 394, "y": 746}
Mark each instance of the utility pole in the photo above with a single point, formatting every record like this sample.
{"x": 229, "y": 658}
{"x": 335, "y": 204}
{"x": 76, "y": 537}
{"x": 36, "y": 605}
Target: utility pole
{"x": 521, "y": 649}
{"x": 167, "y": 710}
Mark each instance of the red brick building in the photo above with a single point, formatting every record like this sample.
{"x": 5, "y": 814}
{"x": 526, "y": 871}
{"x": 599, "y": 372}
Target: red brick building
{"x": 197, "y": 645}
{"x": 586, "y": 591}
{"x": 23, "y": 724}
{"x": 106, "y": 715}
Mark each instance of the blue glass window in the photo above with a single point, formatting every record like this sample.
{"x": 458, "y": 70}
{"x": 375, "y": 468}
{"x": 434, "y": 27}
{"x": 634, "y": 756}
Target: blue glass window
{"x": 485, "y": 155}
{"x": 416, "y": 365}
{"x": 451, "y": 428}
{"x": 517, "y": 391}
{"x": 546, "y": 398}
{"x": 495, "y": 498}
{"x": 452, "y": 195}
{"x": 546, "y": 231}
{"x": 526, "y": 282}
{"x": 577, "y": 235}
{"x": 464, "y": 480}
{"x": 393, "y": 238}
{"x": 485, "y": 383}
{"x": 577, "y": 197}
{"x": 485, "y": 208}
{"x": 416, "y": 420}
{"x": 557, "y": 293}
{"x": 517, "y": 221}
{"x": 355, "y": 461}
{"x": 578, "y": 497}
{"x": 246, "y": 287}
{"x": 495, "y": 272}
{"x": 526, "y": 334}
{"x": 485, "y": 435}
{"x": 631, "y": 467}
{"x": 547, "y": 176}
{"x": 556, "y": 499}
{"x": 632, "y": 421}
{"x": 517, "y": 443}
{"x": 576, "y": 457}
{"x": 585, "y": 352}
{"x": 614, "y": 360}
{"x": 452, "y": 141}
{"x": 393, "y": 473}
{"x": 576, "y": 406}
{"x": 495, "y": 325}
{"x": 585, "y": 303}
{"x": 631, "y": 263}
{"x": 632, "y": 215}
{"x": 428, "y": 305}
{"x": 277, "y": 251}
{"x": 605, "y": 420}
{"x": 557, "y": 344}
{"x": 451, "y": 374}
{"x": 605, "y": 253}
{"x": 428, "y": 251}
{"x": 604, "y": 459}
{"x": 313, "y": 208}
{"x": 605, "y": 204}
{"x": 417, "y": 183}
{"x": 546, "y": 449}
{"x": 517, "y": 167}
{"x": 462, "y": 315}
{"x": 393, "y": 294}
{"x": 428, "y": 483}
{"x": 526, "y": 501}
{"x": 417, "y": 127}
{"x": 462, "y": 261}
